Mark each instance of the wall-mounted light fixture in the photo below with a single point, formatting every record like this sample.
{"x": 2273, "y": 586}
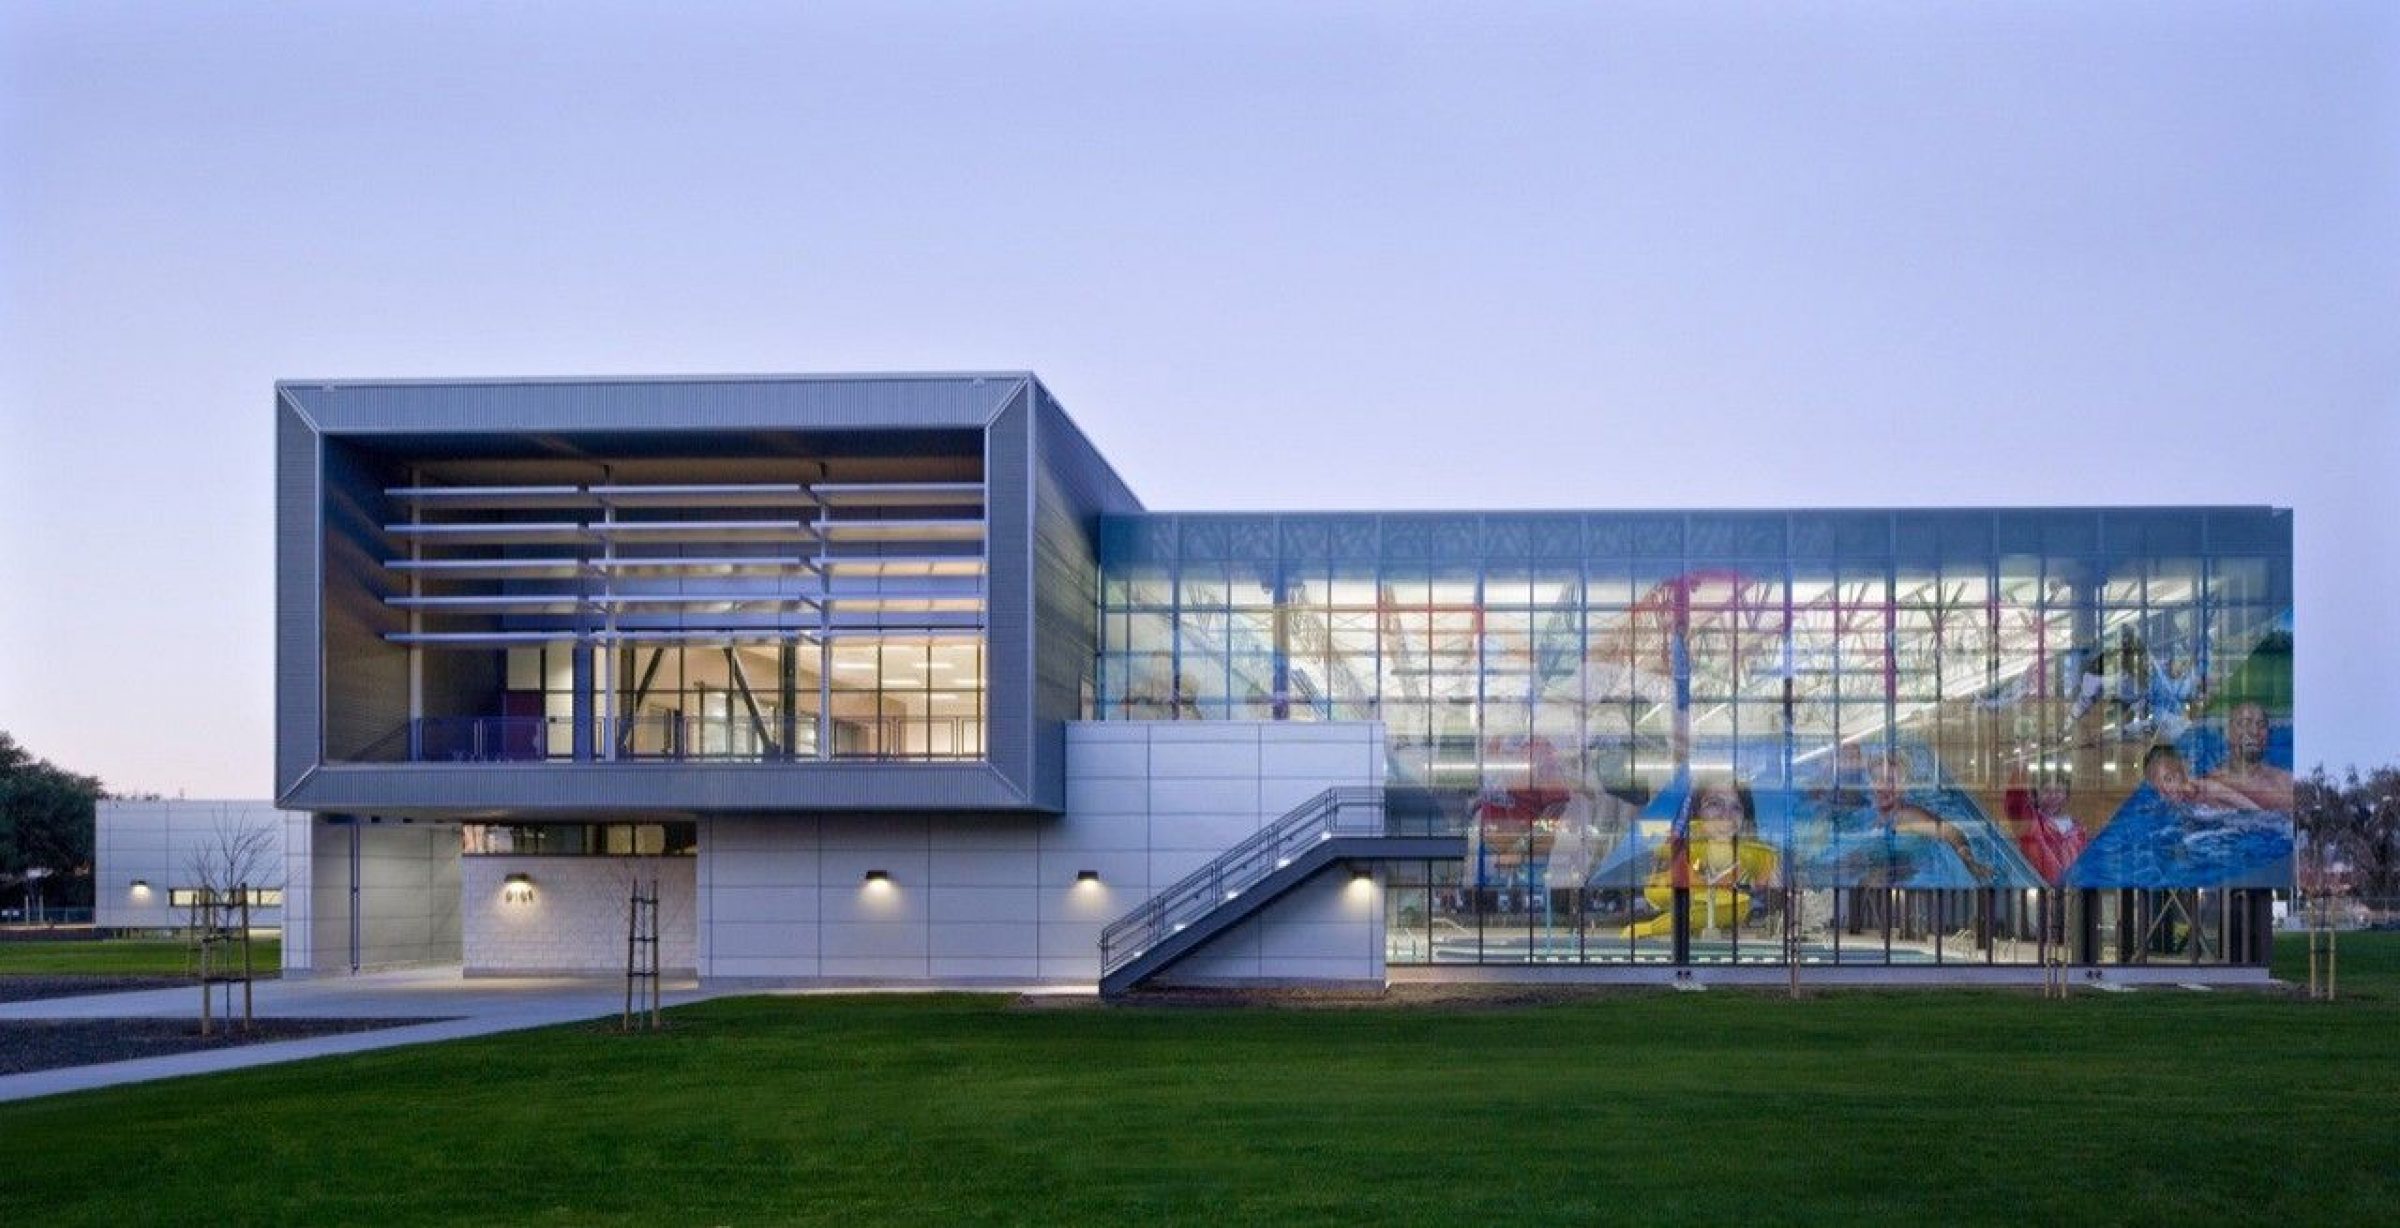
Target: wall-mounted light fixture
{"x": 1084, "y": 878}
{"x": 1362, "y": 874}
{"x": 517, "y": 888}
{"x": 141, "y": 886}
{"x": 879, "y": 878}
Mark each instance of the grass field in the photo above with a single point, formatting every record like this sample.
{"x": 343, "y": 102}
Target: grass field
{"x": 122, "y": 957}
{"x": 1650, "y": 1108}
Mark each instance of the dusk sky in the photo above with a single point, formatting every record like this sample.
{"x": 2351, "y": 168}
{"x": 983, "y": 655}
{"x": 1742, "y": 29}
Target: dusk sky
{"x": 1300, "y": 257}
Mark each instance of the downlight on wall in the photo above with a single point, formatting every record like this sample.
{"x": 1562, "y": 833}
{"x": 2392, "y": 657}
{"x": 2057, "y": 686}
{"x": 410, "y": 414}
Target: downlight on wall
{"x": 1362, "y": 883}
{"x": 517, "y": 888}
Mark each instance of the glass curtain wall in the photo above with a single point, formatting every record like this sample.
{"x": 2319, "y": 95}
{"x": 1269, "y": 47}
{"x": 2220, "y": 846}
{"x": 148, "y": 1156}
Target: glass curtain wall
{"x": 1725, "y": 738}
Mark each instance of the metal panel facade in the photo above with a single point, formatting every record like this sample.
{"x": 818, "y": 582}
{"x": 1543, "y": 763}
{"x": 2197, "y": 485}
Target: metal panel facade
{"x": 1074, "y": 488}
{"x": 299, "y": 585}
{"x": 733, "y": 403}
{"x": 1008, "y": 657}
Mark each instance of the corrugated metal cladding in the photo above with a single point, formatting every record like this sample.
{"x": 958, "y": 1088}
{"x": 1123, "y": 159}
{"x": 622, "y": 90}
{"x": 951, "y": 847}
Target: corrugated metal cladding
{"x": 297, "y": 586}
{"x": 364, "y": 685}
{"x": 649, "y": 788}
{"x": 1008, "y": 552}
{"x": 835, "y": 403}
{"x": 1074, "y": 486}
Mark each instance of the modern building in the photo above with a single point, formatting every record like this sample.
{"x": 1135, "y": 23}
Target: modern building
{"x": 893, "y": 679}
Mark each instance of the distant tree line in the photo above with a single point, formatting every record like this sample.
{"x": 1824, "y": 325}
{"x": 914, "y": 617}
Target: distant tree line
{"x": 46, "y": 822}
{"x": 2349, "y": 833}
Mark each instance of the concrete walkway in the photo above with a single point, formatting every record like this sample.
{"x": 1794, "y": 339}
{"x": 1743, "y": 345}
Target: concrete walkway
{"x": 478, "y": 1007}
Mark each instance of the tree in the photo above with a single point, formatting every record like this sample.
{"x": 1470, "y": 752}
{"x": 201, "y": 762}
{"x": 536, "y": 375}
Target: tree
{"x": 2320, "y": 823}
{"x": 46, "y": 817}
{"x": 235, "y": 856}
{"x": 2349, "y": 834}
{"x": 2375, "y": 852}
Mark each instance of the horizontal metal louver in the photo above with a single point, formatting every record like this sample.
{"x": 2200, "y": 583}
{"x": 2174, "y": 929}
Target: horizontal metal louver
{"x": 499, "y": 565}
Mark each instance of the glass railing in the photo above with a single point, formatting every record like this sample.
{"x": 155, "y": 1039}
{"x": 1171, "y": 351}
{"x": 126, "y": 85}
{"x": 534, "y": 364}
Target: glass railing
{"x": 475, "y": 739}
{"x": 672, "y": 738}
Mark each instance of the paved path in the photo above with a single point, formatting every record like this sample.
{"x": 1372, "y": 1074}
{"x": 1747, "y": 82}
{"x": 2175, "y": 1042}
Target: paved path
{"x": 477, "y": 1007}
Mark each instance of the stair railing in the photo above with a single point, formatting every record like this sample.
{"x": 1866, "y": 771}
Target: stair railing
{"x": 1334, "y": 812}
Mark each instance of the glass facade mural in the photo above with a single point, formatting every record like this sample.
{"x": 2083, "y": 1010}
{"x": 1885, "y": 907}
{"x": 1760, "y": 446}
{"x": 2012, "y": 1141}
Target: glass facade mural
{"x": 1854, "y": 737}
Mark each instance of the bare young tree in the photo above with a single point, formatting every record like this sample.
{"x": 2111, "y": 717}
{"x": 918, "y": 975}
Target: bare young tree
{"x": 235, "y": 855}
{"x": 233, "y": 862}
{"x": 639, "y": 883}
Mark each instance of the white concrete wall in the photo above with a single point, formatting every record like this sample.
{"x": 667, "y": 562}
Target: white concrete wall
{"x": 157, "y": 842}
{"x": 1327, "y": 931}
{"x": 1206, "y": 786}
{"x": 299, "y": 887}
{"x": 995, "y": 899}
{"x": 574, "y": 921}
{"x": 968, "y": 899}
{"x": 407, "y": 899}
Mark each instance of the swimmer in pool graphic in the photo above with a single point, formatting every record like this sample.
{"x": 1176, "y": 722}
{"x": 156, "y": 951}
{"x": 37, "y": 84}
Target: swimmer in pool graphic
{"x": 1716, "y": 856}
{"x": 2246, "y": 770}
{"x": 2169, "y": 777}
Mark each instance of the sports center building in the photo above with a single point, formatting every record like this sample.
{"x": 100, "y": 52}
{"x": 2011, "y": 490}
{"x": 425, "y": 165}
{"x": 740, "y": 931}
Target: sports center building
{"x": 893, "y": 679}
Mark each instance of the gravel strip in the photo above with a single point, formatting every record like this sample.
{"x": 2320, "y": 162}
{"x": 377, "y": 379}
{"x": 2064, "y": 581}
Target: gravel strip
{"x": 47, "y": 1044}
{"x": 30, "y": 987}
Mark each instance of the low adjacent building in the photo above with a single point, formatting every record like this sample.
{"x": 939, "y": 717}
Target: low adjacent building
{"x": 153, "y": 858}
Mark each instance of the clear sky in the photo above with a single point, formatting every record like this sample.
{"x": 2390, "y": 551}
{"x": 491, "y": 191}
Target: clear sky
{"x": 1586, "y": 255}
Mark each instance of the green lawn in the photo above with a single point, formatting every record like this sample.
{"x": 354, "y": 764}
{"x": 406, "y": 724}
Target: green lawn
{"x": 123, "y": 957}
{"x": 1680, "y": 1109}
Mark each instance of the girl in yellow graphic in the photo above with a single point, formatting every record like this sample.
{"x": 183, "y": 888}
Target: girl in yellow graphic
{"x": 1715, "y": 854}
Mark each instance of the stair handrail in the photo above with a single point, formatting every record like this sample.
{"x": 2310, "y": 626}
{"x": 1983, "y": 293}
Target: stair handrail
{"x": 1340, "y": 810}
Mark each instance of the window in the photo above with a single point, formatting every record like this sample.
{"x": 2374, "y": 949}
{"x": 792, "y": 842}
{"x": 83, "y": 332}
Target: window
{"x": 580, "y": 839}
{"x": 190, "y": 897}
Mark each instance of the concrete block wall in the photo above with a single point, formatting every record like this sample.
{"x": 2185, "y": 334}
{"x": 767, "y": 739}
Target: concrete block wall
{"x": 574, "y": 919}
{"x": 156, "y": 842}
{"x": 997, "y": 899}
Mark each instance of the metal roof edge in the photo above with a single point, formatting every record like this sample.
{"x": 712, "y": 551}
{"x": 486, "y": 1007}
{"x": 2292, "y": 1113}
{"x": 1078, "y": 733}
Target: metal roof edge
{"x": 466, "y": 381}
{"x": 1085, "y": 438}
{"x": 289, "y": 399}
{"x": 1833, "y": 509}
{"x": 1018, "y": 384}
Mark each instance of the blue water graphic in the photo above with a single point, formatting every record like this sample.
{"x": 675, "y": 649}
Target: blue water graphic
{"x": 2152, "y": 842}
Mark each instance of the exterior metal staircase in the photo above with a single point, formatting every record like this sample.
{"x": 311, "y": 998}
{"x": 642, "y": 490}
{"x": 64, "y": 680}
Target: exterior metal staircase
{"x": 1335, "y": 827}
